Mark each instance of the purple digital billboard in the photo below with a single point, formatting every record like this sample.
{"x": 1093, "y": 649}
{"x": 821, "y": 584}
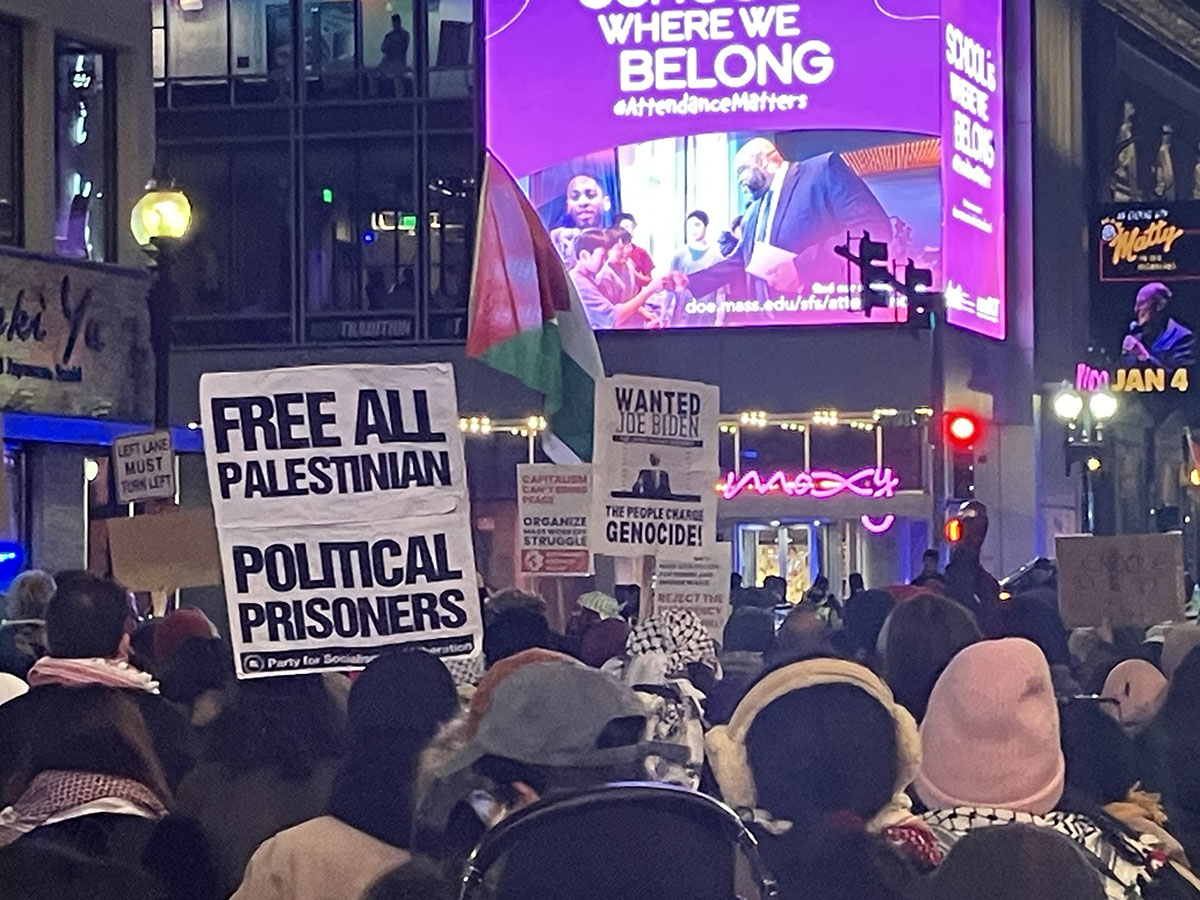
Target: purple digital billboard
{"x": 696, "y": 161}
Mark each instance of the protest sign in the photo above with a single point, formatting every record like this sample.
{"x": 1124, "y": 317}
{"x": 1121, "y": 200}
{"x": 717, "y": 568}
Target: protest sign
{"x": 144, "y": 467}
{"x": 165, "y": 552}
{"x": 1130, "y": 579}
{"x": 553, "y": 503}
{"x": 654, "y": 467}
{"x": 701, "y": 585}
{"x": 341, "y": 505}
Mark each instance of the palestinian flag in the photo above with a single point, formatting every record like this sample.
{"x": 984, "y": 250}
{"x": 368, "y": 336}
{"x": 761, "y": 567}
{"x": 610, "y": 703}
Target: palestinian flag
{"x": 525, "y": 317}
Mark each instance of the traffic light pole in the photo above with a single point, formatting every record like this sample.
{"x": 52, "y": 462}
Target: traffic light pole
{"x": 937, "y": 384}
{"x": 925, "y": 306}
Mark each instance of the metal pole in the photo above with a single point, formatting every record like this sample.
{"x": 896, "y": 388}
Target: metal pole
{"x": 937, "y": 437}
{"x": 162, "y": 303}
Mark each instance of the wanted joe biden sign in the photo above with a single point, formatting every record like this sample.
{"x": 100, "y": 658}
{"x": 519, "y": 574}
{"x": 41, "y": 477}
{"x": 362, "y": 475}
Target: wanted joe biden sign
{"x": 340, "y": 499}
{"x": 654, "y": 465}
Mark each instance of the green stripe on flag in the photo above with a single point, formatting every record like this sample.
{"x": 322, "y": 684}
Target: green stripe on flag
{"x": 536, "y": 358}
{"x": 572, "y": 424}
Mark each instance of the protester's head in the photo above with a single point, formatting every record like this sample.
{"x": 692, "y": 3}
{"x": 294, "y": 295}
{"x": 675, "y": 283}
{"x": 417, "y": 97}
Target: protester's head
{"x": 751, "y": 629}
{"x": 555, "y": 726}
{"x": 819, "y": 749}
{"x": 858, "y": 584}
{"x": 627, "y": 222}
{"x": 28, "y": 597}
{"x": 591, "y": 250}
{"x": 1101, "y": 758}
{"x": 1178, "y": 642}
{"x": 787, "y": 747}
{"x": 87, "y": 617}
{"x": 514, "y": 631}
{"x": 1138, "y": 691}
{"x": 396, "y": 707}
{"x": 918, "y": 639}
{"x": 97, "y": 731}
{"x": 177, "y": 628}
{"x": 735, "y": 227}
{"x": 865, "y": 614}
{"x": 991, "y": 732}
{"x": 413, "y": 881}
{"x": 776, "y": 587}
{"x": 1016, "y": 862}
{"x": 599, "y": 606}
{"x": 286, "y": 725}
{"x": 756, "y": 163}
{"x": 620, "y": 246}
{"x": 804, "y": 633}
{"x": 513, "y": 598}
{"x": 930, "y": 560}
{"x": 197, "y": 666}
{"x": 1151, "y": 303}
{"x": 696, "y": 226}
{"x": 1030, "y": 617}
{"x": 397, "y": 22}
{"x": 481, "y": 700}
{"x": 587, "y": 204}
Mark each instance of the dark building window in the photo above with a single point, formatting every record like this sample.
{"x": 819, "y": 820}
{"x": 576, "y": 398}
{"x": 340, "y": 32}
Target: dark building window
{"x": 360, "y": 225}
{"x": 10, "y": 133}
{"x": 235, "y": 269}
{"x": 84, "y": 164}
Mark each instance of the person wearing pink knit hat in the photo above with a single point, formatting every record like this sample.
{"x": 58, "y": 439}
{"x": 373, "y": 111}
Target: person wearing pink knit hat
{"x": 992, "y": 755}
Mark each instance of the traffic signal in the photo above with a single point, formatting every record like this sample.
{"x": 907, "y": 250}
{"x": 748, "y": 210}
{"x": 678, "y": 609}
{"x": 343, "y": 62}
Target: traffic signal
{"x": 918, "y": 283}
{"x": 963, "y": 433}
{"x": 876, "y": 279}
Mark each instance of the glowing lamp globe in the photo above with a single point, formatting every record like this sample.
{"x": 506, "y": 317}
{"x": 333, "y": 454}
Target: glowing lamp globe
{"x": 161, "y": 213}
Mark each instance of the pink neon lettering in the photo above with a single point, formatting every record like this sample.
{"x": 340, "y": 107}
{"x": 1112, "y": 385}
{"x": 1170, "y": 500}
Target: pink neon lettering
{"x": 878, "y": 527}
{"x": 872, "y": 483}
{"x": 1089, "y": 378}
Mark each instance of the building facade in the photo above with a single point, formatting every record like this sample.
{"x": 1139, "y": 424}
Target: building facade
{"x": 76, "y": 149}
{"x": 332, "y": 153}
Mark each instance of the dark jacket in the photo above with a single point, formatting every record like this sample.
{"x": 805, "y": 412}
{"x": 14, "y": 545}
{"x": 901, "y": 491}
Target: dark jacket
{"x": 238, "y": 813}
{"x": 821, "y": 198}
{"x": 172, "y": 736}
{"x": 107, "y": 857}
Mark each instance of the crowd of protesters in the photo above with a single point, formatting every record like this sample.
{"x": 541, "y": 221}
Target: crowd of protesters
{"x": 913, "y": 742}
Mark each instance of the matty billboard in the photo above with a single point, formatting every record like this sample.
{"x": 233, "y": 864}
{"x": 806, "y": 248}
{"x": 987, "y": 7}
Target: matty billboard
{"x": 696, "y": 161}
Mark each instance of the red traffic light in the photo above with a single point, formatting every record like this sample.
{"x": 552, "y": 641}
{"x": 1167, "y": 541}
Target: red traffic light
{"x": 954, "y": 531}
{"x": 963, "y": 430}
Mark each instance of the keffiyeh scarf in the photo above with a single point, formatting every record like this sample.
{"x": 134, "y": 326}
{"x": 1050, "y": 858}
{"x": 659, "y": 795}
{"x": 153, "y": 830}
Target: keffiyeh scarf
{"x": 54, "y": 796}
{"x": 679, "y": 634}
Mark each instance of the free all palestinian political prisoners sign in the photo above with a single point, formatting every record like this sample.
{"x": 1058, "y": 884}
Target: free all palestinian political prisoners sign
{"x": 654, "y": 466}
{"x": 553, "y": 503}
{"x": 340, "y": 499}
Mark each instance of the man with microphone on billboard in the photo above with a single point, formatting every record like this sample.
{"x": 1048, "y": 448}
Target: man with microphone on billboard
{"x": 800, "y": 210}
{"x": 1154, "y": 338}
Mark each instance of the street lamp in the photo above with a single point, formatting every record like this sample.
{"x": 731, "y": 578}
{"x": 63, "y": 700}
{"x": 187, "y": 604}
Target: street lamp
{"x": 1085, "y": 420}
{"x": 159, "y": 222}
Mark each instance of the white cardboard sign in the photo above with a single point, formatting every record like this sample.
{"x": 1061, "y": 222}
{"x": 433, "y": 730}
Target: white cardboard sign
{"x": 340, "y": 499}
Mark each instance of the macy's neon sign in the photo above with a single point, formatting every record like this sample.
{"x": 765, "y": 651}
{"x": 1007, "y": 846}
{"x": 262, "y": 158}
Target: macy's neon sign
{"x": 873, "y": 483}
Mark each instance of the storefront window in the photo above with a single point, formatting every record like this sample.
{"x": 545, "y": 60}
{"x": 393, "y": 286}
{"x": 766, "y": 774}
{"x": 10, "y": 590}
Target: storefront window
{"x": 842, "y": 449}
{"x": 158, "y": 38}
{"x": 10, "y": 133}
{"x": 84, "y": 158}
{"x": 197, "y": 40}
{"x": 781, "y": 550}
{"x": 330, "y": 48}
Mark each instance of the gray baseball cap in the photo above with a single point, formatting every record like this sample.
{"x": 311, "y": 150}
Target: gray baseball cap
{"x": 549, "y": 714}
